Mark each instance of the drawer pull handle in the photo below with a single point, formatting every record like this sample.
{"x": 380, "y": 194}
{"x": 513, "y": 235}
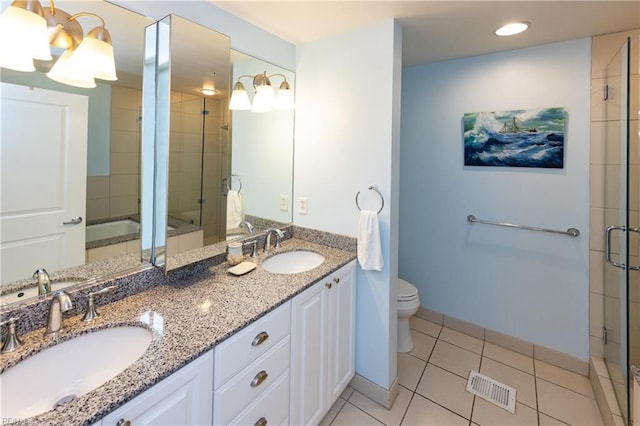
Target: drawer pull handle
{"x": 123, "y": 422}
{"x": 259, "y": 378}
{"x": 260, "y": 338}
{"x": 336, "y": 280}
{"x": 261, "y": 422}
{"x": 327, "y": 285}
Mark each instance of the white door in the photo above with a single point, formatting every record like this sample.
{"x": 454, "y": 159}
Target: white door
{"x": 43, "y": 151}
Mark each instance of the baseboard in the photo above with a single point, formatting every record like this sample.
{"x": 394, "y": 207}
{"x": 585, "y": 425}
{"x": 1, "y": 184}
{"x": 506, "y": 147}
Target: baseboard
{"x": 539, "y": 352}
{"x": 384, "y": 397}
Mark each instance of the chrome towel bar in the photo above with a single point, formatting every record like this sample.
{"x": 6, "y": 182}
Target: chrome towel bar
{"x": 372, "y": 188}
{"x": 572, "y": 232}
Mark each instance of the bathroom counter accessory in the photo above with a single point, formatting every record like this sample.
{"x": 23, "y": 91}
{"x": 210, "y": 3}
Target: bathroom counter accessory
{"x": 187, "y": 319}
{"x": 242, "y": 268}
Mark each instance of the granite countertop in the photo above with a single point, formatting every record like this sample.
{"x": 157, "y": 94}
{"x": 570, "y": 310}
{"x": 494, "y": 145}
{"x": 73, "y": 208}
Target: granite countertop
{"x": 187, "y": 319}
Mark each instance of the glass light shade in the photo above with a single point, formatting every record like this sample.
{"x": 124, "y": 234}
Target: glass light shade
{"x": 23, "y": 33}
{"x": 512, "y": 29}
{"x": 284, "y": 99}
{"x": 15, "y": 60}
{"x": 63, "y": 73}
{"x": 239, "y": 100}
{"x": 264, "y": 99}
{"x": 95, "y": 57}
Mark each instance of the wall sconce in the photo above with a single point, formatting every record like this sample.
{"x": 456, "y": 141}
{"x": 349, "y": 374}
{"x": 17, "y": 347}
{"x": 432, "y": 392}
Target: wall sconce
{"x": 265, "y": 99}
{"x": 27, "y": 30}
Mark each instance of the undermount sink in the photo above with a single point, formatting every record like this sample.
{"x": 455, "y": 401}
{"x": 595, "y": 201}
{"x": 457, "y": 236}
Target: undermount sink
{"x": 292, "y": 262}
{"x": 69, "y": 369}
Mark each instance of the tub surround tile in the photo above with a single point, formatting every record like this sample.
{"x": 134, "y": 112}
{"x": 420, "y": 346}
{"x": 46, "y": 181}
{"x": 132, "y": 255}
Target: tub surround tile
{"x": 196, "y": 316}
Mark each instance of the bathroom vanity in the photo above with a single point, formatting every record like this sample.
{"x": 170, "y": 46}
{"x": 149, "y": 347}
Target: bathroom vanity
{"x": 251, "y": 349}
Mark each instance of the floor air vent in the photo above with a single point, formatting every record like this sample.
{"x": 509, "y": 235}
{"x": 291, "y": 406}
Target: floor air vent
{"x": 495, "y": 392}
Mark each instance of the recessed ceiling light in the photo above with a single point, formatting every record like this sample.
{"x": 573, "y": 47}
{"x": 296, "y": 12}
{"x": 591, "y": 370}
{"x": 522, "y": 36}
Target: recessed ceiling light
{"x": 208, "y": 92}
{"x": 512, "y": 28}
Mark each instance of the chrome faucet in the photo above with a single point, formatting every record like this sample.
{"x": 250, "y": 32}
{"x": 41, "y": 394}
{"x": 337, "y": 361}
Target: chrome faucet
{"x": 250, "y": 228}
{"x": 267, "y": 244}
{"x": 44, "y": 283}
{"x": 60, "y": 303}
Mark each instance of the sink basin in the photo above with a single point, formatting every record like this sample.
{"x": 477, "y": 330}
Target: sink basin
{"x": 292, "y": 262}
{"x": 67, "y": 370}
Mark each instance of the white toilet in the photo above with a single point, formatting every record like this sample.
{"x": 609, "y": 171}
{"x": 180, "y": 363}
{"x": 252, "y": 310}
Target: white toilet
{"x": 408, "y": 304}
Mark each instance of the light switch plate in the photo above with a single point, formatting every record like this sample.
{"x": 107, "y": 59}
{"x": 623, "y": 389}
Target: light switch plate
{"x": 302, "y": 205}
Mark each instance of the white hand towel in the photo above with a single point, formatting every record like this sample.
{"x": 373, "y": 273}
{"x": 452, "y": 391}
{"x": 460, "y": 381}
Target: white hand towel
{"x": 234, "y": 209}
{"x": 369, "y": 248}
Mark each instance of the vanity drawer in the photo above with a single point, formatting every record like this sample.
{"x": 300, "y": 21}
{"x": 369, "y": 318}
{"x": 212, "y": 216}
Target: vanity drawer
{"x": 244, "y": 347}
{"x": 271, "y": 407}
{"x": 252, "y": 382}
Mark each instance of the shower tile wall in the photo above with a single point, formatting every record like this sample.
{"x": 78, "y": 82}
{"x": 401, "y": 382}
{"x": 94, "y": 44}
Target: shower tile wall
{"x": 118, "y": 193}
{"x": 603, "y": 49}
{"x": 185, "y": 157}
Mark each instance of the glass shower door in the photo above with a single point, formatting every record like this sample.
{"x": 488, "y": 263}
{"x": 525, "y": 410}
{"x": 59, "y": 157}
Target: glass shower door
{"x": 621, "y": 226}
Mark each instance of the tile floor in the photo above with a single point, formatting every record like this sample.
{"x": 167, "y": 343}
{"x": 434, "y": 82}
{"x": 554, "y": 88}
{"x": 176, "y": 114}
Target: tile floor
{"x": 433, "y": 379}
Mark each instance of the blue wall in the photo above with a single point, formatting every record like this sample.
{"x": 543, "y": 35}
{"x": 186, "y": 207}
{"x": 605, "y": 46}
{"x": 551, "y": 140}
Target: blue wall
{"x": 530, "y": 285}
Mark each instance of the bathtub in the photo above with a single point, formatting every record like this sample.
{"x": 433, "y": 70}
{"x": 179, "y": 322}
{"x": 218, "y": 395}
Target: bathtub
{"x": 106, "y": 230}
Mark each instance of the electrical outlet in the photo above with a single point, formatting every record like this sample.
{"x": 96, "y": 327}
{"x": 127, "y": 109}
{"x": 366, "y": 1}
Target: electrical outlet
{"x": 284, "y": 202}
{"x": 302, "y": 205}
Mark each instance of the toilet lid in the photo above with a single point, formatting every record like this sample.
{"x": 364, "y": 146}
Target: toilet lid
{"x": 406, "y": 291}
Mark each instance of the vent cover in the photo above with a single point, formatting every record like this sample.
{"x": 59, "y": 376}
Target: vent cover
{"x": 495, "y": 392}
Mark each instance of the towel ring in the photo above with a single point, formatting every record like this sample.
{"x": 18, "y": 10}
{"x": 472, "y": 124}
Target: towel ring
{"x": 373, "y": 188}
{"x": 239, "y": 183}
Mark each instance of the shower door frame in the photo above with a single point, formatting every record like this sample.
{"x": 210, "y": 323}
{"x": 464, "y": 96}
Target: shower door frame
{"x": 617, "y": 216}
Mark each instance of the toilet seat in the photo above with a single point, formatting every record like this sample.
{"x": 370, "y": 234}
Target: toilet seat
{"x": 406, "y": 291}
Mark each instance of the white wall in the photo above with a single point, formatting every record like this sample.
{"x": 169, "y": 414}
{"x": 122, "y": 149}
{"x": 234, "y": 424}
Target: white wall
{"x": 347, "y": 104}
{"x": 527, "y": 284}
{"x": 262, "y": 151}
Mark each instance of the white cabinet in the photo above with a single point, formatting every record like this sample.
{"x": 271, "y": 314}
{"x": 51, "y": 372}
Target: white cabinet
{"x": 251, "y": 383}
{"x": 322, "y": 345}
{"x": 184, "y": 398}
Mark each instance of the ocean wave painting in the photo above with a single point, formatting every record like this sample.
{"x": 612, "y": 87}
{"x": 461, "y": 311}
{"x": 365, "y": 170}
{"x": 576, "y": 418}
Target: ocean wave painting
{"x": 519, "y": 138}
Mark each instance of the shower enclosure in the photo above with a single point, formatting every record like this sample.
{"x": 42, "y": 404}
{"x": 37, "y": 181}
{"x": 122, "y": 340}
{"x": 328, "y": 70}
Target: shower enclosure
{"x": 622, "y": 266}
{"x": 199, "y": 161}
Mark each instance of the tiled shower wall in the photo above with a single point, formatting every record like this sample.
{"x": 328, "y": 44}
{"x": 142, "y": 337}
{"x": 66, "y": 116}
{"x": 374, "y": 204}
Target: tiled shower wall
{"x": 118, "y": 193}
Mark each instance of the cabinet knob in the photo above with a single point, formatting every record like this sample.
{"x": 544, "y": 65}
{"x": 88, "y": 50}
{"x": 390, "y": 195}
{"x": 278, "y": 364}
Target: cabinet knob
{"x": 123, "y": 422}
{"x": 336, "y": 280}
{"x": 261, "y": 422}
{"x": 328, "y": 285}
{"x": 260, "y": 338}
{"x": 259, "y": 378}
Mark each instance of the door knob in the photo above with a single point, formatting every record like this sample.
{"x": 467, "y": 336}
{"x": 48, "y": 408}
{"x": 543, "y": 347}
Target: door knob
{"x": 76, "y": 220}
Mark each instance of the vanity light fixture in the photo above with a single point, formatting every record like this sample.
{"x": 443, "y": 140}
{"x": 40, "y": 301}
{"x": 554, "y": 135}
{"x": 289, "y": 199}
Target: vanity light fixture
{"x": 27, "y": 30}
{"x": 512, "y": 28}
{"x": 265, "y": 99}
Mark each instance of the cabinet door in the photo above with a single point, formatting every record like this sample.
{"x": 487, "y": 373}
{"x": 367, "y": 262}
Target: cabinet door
{"x": 341, "y": 320}
{"x": 308, "y": 360}
{"x": 184, "y": 398}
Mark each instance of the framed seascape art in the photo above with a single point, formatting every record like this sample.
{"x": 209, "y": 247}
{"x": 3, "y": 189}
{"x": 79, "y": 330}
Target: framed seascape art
{"x": 519, "y": 138}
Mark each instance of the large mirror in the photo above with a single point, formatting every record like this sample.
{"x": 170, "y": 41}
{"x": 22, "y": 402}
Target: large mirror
{"x": 230, "y": 173}
{"x": 104, "y": 178}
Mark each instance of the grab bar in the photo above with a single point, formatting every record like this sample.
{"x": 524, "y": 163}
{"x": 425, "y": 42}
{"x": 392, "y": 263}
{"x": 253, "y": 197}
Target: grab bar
{"x": 573, "y": 232}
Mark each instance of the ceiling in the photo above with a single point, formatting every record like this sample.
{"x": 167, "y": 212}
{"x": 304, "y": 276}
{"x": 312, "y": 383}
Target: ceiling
{"x": 439, "y": 30}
